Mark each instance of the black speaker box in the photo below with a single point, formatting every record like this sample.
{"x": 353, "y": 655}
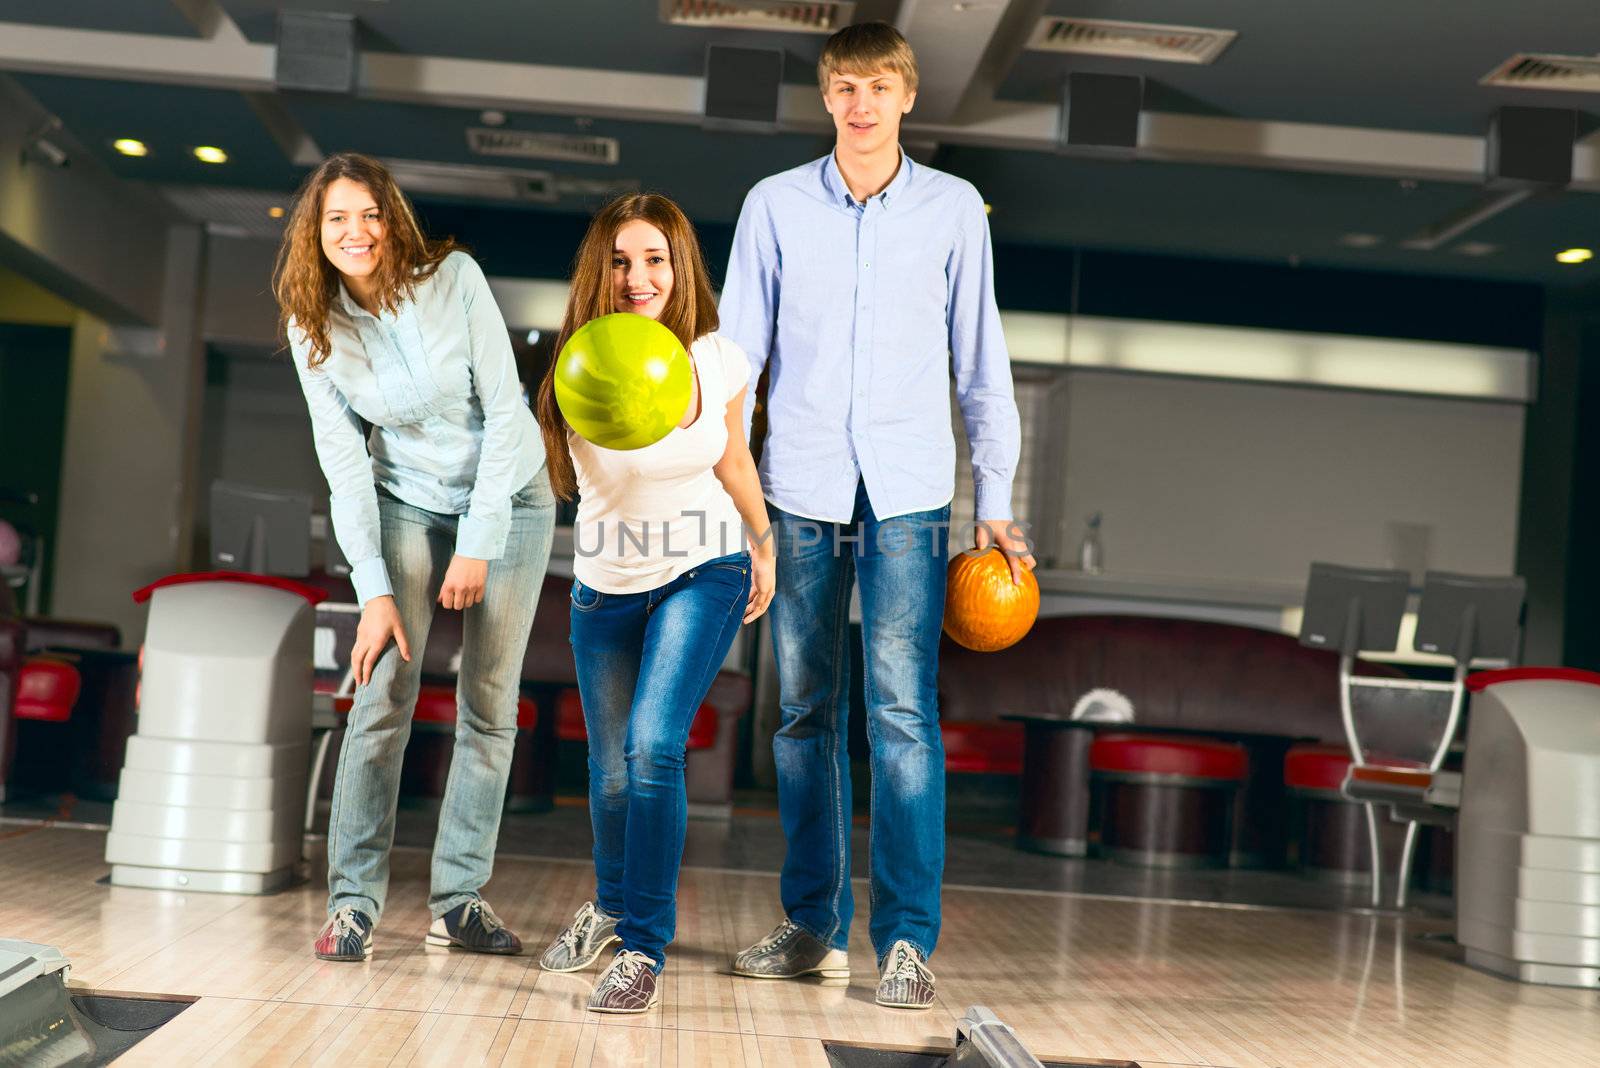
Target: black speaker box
{"x": 1100, "y": 113}
{"x": 743, "y": 86}
{"x": 1531, "y": 146}
{"x": 316, "y": 52}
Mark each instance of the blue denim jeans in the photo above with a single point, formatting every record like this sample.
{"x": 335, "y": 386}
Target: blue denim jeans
{"x": 417, "y": 548}
{"x": 645, "y": 662}
{"x": 899, "y": 564}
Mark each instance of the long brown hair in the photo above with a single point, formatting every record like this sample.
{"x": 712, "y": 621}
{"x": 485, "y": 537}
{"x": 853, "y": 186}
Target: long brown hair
{"x": 691, "y": 310}
{"x": 307, "y": 285}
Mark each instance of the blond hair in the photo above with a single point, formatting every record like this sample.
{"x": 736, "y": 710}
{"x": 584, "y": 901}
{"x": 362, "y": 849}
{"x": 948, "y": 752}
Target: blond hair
{"x": 866, "y": 49}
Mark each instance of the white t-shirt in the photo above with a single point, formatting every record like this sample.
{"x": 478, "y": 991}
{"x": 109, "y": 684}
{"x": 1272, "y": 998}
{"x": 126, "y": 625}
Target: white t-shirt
{"x": 645, "y": 516}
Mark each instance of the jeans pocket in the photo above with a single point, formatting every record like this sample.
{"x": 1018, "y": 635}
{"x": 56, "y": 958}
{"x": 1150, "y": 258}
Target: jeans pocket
{"x": 585, "y": 598}
{"x": 739, "y": 562}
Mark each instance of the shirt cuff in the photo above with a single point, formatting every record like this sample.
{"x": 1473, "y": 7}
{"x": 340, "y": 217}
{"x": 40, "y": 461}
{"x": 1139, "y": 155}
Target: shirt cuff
{"x": 371, "y": 579}
{"x": 482, "y": 539}
{"x": 993, "y": 500}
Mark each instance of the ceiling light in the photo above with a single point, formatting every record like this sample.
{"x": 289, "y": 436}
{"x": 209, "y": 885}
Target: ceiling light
{"x": 1575, "y": 255}
{"x": 533, "y": 337}
{"x": 209, "y": 154}
{"x": 1360, "y": 240}
{"x": 130, "y": 146}
{"x": 275, "y": 212}
{"x": 492, "y": 118}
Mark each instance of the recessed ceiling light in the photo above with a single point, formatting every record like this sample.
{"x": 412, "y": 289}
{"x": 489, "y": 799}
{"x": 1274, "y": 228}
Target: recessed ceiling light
{"x": 209, "y": 154}
{"x": 275, "y": 212}
{"x": 129, "y": 146}
{"x": 533, "y": 337}
{"x": 1575, "y": 255}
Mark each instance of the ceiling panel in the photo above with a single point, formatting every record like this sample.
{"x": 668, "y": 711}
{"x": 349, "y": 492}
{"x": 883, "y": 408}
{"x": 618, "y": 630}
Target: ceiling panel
{"x": 708, "y": 172}
{"x": 1375, "y": 63}
{"x": 602, "y": 34}
{"x": 1043, "y": 199}
{"x": 171, "y": 120}
{"x": 118, "y": 16}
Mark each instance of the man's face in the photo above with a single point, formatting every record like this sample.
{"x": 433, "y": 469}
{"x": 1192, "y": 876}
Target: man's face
{"x": 866, "y": 109}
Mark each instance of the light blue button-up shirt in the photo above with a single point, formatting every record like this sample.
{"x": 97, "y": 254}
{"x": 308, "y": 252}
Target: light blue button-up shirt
{"x": 860, "y": 313}
{"x": 450, "y": 432}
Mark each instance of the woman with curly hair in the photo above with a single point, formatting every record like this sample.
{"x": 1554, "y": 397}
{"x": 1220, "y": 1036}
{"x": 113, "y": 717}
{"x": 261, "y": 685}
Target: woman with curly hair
{"x": 444, "y": 503}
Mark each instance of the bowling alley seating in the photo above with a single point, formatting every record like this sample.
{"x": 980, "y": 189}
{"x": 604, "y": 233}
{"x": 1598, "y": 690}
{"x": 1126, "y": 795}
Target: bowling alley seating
{"x": 69, "y": 697}
{"x": 1167, "y": 802}
{"x": 1329, "y": 828}
{"x": 1190, "y": 674}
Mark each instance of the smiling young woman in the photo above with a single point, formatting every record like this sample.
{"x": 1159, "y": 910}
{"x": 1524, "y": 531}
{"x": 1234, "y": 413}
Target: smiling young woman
{"x": 450, "y": 507}
{"x": 651, "y": 624}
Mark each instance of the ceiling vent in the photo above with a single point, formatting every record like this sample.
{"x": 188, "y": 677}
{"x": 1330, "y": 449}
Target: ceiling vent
{"x": 1130, "y": 40}
{"x": 526, "y": 144}
{"x": 1531, "y": 70}
{"x": 499, "y": 183}
{"x": 478, "y": 183}
{"x": 758, "y": 15}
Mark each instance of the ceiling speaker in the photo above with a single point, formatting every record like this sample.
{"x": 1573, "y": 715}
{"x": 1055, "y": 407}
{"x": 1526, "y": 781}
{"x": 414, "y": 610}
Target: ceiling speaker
{"x": 743, "y": 86}
{"x": 1100, "y": 114}
{"x": 1531, "y": 146}
{"x": 316, "y": 52}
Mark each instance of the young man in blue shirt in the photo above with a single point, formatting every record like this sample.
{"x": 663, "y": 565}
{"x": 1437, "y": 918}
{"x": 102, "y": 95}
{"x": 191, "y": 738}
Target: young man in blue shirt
{"x": 860, "y": 282}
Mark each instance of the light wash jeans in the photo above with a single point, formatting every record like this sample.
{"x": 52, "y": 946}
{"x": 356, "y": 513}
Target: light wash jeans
{"x": 899, "y": 564}
{"x": 417, "y": 548}
{"x": 645, "y": 663}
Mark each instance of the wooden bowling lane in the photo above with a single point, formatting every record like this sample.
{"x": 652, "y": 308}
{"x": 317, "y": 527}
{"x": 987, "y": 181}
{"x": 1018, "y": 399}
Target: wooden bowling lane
{"x": 1077, "y": 976}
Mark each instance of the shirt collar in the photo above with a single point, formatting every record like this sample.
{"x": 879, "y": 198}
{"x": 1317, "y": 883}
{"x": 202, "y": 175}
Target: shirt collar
{"x": 839, "y": 189}
{"x": 348, "y": 303}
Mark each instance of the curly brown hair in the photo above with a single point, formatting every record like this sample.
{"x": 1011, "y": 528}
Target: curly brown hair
{"x": 691, "y": 310}
{"x": 307, "y": 285}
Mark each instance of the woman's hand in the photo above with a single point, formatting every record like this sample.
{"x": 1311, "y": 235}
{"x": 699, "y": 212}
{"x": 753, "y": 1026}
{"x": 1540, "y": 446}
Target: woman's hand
{"x": 380, "y": 621}
{"x": 763, "y": 579}
{"x": 463, "y": 582}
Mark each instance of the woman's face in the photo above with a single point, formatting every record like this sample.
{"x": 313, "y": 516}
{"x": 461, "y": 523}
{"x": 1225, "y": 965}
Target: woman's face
{"x": 352, "y": 228}
{"x": 641, "y": 270}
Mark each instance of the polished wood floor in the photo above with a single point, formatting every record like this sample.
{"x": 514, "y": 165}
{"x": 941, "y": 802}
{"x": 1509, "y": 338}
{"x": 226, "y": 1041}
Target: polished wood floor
{"x": 1077, "y": 976}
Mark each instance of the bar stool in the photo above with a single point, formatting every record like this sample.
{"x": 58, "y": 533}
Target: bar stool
{"x": 1166, "y": 802}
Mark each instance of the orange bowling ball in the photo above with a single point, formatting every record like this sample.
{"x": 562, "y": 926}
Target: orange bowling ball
{"x": 983, "y": 609}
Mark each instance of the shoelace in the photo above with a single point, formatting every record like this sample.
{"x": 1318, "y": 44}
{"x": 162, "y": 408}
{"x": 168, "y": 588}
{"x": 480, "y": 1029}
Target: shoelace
{"x": 344, "y": 922}
{"x": 581, "y": 927}
{"x": 491, "y": 922}
{"x": 783, "y": 930}
{"x": 906, "y": 966}
{"x": 624, "y": 970}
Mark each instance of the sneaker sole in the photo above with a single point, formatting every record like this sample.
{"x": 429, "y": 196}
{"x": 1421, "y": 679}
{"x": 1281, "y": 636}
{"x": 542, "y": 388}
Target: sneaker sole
{"x": 446, "y": 942}
{"x": 903, "y": 1005}
{"x": 578, "y": 966}
{"x": 629, "y": 1012}
{"x": 344, "y": 957}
